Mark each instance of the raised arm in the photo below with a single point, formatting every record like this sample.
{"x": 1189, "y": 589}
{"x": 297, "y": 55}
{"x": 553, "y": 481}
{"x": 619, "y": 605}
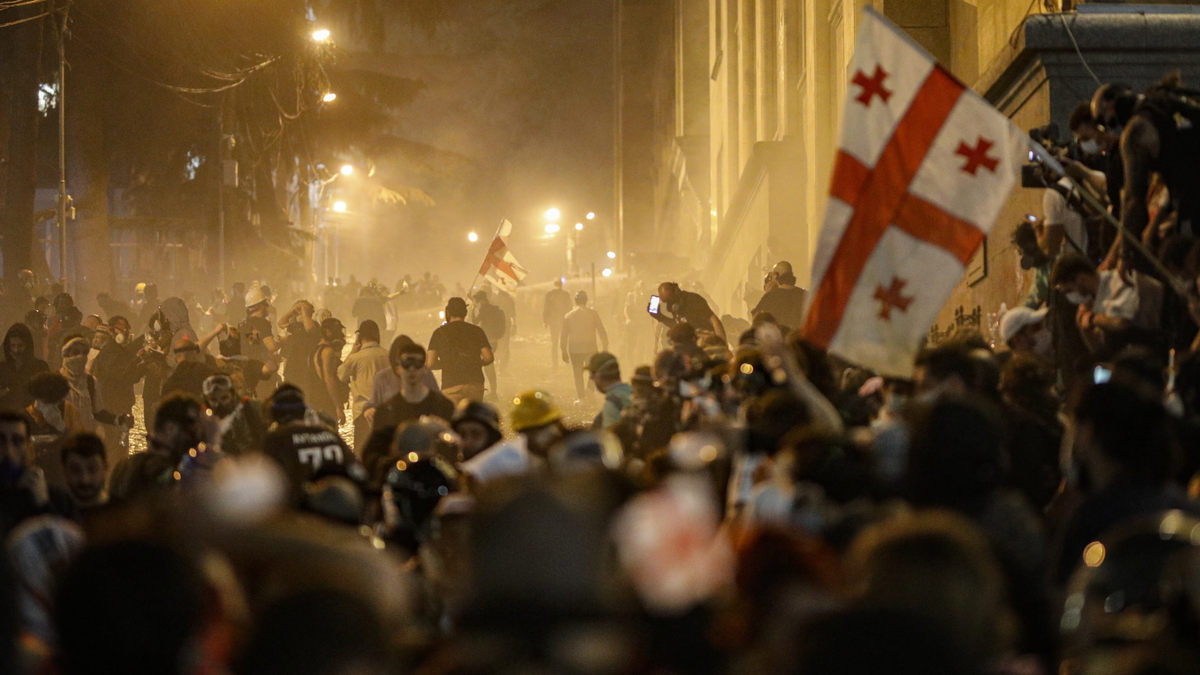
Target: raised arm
{"x": 204, "y": 341}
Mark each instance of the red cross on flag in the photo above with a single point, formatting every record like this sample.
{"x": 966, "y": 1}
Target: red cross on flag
{"x": 923, "y": 169}
{"x": 499, "y": 265}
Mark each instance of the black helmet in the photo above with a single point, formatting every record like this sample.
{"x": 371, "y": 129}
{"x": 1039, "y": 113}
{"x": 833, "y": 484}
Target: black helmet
{"x": 425, "y": 438}
{"x": 476, "y": 411}
{"x": 337, "y": 498}
{"x": 416, "y": 487}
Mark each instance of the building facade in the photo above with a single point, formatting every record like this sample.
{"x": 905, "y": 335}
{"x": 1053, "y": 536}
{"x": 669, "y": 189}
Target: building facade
{"x": 725, "y": 150}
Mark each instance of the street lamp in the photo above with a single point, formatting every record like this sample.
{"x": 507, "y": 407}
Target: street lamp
{"x": 551, "y": 228}
{"x": 472, "y": 237}
{"x": 578, "y": 227}
{"x": 591, "y": 216}
{"x": 320, "y": 35}
{"x": 606, "y": 272}
{"x": 329, "y": 97}
{"x": 339, "y": 206}
{"x": 553, "y": 215}
{"x": 612, "y": 255}
{"x": 347, "y": 169}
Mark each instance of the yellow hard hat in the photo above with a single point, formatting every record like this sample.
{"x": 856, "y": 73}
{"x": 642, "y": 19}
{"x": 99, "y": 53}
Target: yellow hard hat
{"x": 534, "y": 409}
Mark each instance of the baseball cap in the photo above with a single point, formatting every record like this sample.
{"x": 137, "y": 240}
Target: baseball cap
{"x": 601, "y": 361}
{"x": 1018, "y": 318}
{"x": 456, "y": 304}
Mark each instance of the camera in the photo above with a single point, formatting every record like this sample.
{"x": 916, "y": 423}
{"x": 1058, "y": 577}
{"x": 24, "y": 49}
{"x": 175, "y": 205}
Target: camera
{"x": 1033, "y": 172}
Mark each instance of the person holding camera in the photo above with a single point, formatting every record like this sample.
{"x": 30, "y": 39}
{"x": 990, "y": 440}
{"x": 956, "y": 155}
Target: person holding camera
{"x": 687, "y": 307}
{"x": 785, "y": 301}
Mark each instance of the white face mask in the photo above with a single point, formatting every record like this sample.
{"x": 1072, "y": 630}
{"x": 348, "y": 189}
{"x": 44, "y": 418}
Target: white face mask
{"x": 1090, "y": 147}
{"x": 75, "y": 364}
{"x": 1077, "y": 298}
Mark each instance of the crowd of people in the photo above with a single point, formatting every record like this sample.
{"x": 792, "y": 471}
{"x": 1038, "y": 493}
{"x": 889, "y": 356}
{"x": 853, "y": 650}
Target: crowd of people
{"x": 314, "y": 503}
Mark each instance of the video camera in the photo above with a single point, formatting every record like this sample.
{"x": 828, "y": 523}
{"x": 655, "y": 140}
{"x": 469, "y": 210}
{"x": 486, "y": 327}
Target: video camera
{"x": 1033, "y": 173}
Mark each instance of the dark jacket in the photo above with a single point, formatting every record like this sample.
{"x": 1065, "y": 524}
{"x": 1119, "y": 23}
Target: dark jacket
{"x": 14, "y": 377}
{"x": 117, "y": 369}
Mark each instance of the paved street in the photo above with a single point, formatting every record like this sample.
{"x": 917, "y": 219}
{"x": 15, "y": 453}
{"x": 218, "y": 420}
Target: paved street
{"x": 528, "y": 368}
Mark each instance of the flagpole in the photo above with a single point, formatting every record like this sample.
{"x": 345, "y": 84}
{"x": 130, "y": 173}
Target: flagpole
{"x": 497, "y": 234}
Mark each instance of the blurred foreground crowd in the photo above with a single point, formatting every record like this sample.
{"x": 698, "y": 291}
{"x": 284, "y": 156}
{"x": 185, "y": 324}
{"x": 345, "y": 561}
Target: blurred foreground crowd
{"x": 765, "y": 509}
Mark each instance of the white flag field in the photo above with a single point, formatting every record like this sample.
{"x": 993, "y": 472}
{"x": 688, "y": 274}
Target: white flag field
{"x": 499, "y": 264}
{"x": 923, "y": 169}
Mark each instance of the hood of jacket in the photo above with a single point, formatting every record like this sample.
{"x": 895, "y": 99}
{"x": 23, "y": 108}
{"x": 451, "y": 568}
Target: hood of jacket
{"x": 22, "y": 331}
{"x": 176, "y": 312}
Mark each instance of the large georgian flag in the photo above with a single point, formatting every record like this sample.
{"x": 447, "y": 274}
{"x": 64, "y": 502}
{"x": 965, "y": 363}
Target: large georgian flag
{"x": 924, "y": 167}
{"x": 499, "y": 265}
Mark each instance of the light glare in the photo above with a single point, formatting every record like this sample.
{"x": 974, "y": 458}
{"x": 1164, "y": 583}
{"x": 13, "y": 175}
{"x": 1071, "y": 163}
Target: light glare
{"x": 329, "y": 97}
{"x": 553, "y": 215}
{"x": 340, "y": 207}
{"x": 591, "y": 216}
{"x": 321, "y": 34}
{"x": 607, "y": 272}
{"x": 472, "y": 237}
{"x": 552, "y": 228}
{"x": 612, "y": 255}
{"x": 347, "y": 169}
{"x": 578, "y": 226}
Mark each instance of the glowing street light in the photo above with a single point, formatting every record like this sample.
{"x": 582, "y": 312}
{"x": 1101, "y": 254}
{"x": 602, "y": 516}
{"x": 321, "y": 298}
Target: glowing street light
{"x": 606, "y": 272}
{"x": 472, "y": 237}
{"x": 551, "y": 228}
{"x": 578, "y": 226}
{"x": 321, "y": 34}
{"x": 553, "y": 215}
{"x": 347, "y": 169}
{"x": 339, "y": 206}
{"x": 329, "y": 97}
{"x": 612, "y": 255}
{"x": 591, "y": 216}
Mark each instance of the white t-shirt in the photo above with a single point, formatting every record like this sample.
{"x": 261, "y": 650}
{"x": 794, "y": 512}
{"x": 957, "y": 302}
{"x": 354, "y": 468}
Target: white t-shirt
{"x": 1056, "y": 211}
{"x": 1117, "y": 296}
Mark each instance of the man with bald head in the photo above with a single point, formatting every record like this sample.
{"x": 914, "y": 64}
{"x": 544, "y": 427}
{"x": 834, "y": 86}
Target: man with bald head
{"x": 785, "y": 302}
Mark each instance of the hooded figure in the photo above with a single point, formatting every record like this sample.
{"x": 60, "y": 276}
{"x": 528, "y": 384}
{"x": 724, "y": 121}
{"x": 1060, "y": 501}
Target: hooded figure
{"x": 18, "y": 368}
{"x": 175, "y": 311}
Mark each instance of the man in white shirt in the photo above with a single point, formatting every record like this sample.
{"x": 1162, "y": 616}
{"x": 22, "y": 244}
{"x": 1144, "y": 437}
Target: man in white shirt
{"x": 366, "y": 359}
{"x": 1114, "y": 307}
{"x": 1063, "y": 230}
{"x": 578, "y": 342}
